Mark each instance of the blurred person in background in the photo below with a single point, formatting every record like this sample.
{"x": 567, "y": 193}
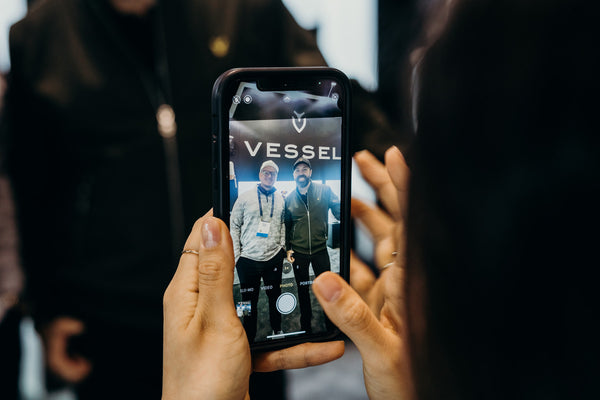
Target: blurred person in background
{"x": 11, "y": 277}
{"x": 107, "y": 134}
{"x": 11, "y": 284}
{"x": 487, "y": 245}
{"x": 89, "y": 165}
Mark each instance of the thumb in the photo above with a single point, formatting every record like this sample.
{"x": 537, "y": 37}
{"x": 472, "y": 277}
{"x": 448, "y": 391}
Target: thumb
{"x": 348, "y": 311}
{"x": 215, "y": 272}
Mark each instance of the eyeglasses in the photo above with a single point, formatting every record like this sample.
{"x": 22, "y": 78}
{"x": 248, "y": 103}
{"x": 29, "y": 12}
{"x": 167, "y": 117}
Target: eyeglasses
{"x": 269, "y": 173}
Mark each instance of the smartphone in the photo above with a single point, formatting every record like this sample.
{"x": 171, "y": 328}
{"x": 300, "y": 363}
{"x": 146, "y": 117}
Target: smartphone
{"x": 281, "y": 174}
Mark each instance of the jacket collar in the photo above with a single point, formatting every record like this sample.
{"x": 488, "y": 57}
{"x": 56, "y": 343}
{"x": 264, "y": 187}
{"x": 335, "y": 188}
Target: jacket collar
{"x": 310, "y": 185}
{"x": 265, "y": 191}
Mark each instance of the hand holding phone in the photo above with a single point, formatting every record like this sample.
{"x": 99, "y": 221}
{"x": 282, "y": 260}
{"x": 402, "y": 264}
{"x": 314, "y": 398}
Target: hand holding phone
{"x": 205, "y": 350}
{"x": 285, "y": 133}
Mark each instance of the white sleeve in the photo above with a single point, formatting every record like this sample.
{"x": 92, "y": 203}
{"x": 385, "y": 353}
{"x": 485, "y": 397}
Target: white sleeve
{"x": 235, "y": 226}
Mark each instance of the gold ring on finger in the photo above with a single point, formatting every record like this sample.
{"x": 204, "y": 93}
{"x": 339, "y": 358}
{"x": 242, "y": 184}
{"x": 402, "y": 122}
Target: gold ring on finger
{"x": 386, "y": 266}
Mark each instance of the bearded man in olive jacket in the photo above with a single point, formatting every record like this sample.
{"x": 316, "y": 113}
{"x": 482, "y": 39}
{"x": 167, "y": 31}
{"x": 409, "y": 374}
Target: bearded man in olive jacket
{"x": 306, "y": 215}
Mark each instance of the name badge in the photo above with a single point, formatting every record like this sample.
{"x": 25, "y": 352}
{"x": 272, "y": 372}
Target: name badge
{"x": 263, "y": 229}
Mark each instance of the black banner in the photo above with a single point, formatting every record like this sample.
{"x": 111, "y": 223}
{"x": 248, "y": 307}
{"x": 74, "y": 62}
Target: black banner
{"x": 283, "y": 141}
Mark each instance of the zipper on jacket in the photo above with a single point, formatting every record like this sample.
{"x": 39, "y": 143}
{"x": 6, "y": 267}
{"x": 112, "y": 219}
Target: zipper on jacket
{"x": 307, "y": 205}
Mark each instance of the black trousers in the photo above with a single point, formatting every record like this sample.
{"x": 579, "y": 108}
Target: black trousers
{"x": 250, "y": 272}
{"x": 320, "y": 263}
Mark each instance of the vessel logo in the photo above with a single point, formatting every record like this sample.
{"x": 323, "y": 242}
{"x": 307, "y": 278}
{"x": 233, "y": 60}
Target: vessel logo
{"x": 299, "y": 122}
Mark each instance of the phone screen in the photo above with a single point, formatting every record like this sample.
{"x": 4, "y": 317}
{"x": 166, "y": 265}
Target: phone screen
{"x": 286, "y": 202}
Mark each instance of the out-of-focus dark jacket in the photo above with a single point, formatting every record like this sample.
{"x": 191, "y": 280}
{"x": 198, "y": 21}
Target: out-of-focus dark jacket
{"x": 87, "y": 161}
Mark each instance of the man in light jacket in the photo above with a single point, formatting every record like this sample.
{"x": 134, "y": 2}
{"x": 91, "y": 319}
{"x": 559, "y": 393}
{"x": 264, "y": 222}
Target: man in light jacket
{"x": 258, "y": 233}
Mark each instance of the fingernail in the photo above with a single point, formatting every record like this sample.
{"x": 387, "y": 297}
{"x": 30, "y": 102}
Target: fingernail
{"x": 328, "y": 286}
{"x": 395, "y": 149}
{"x": 361, "y": 154}
{"x": 211, "y": 233}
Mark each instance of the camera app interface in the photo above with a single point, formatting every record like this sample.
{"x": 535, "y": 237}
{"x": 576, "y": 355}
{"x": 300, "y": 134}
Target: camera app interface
{"x": 285, "y": 190}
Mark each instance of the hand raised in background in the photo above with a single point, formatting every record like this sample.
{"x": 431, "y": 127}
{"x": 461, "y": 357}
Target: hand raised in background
{"x": 373, "y": 313}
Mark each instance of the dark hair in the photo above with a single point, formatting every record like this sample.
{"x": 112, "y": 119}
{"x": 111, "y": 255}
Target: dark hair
{"x": 504, "y": 204}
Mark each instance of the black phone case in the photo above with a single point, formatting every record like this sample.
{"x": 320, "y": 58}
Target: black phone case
{"x": 295, "y": 78}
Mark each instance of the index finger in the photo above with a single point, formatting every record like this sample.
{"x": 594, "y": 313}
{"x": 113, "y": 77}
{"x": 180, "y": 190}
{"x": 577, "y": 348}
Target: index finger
{"x": 378, "y": 177}
{"x": 399, "y": 174}
{"x": 300, "y": 356}
{"x": 380, "y": 226}
{"x": 378, "y": 223}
